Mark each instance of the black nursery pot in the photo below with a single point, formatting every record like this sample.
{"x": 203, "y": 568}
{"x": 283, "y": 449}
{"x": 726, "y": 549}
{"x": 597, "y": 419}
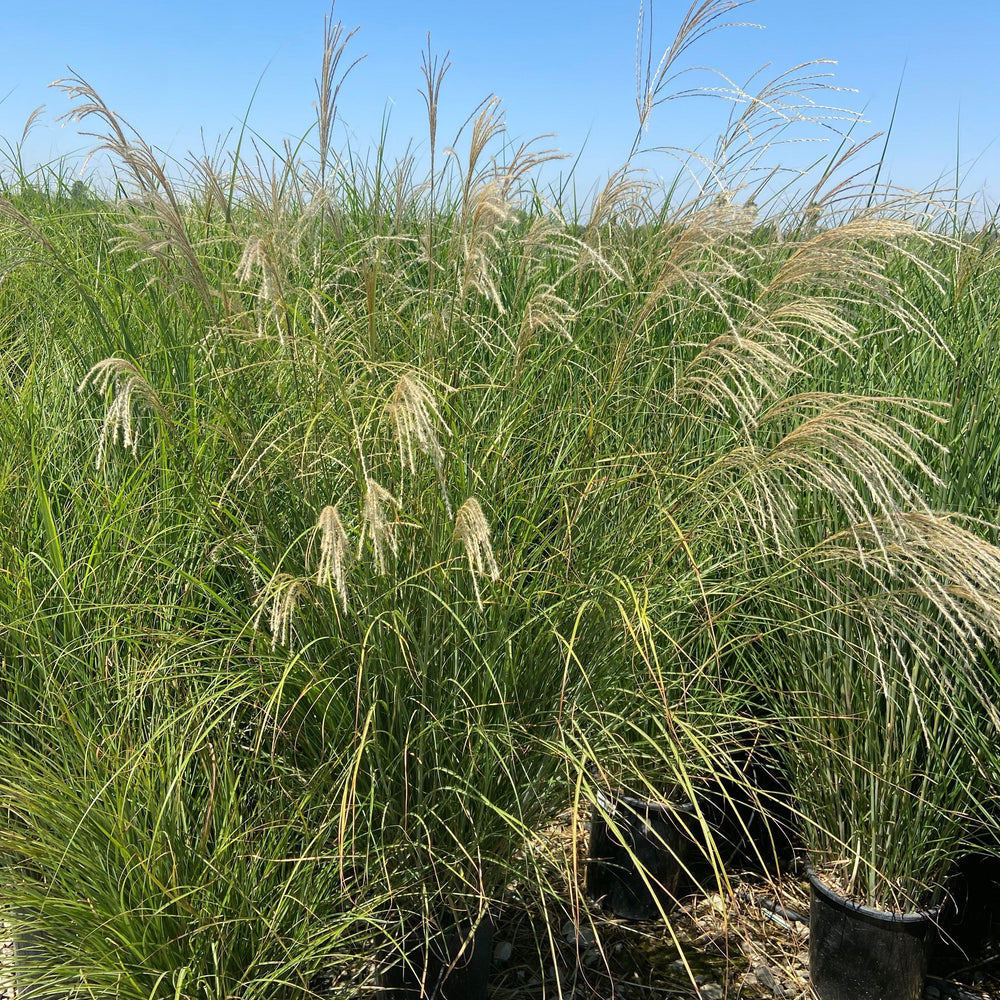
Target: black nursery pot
{"x": 969, "y": 923}
{"x": 655, "y": 835}
{"x": 435, "y": 966}
{"x": 748, "y": 808}
{"x": 857, "y": 953}
{"x": 32, "y": 952}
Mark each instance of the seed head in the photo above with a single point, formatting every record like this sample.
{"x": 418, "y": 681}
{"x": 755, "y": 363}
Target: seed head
{"x": 281, "y": 596}
{"x": 545, "y": 310}
{"x": 333, "y": 553}
{"x": 128, "y": 386}
{"x": 418, "y": 422}
{"x": 256, "y": 257}
{"x": 473, "y": 532}
{"x": 382, "y": 529}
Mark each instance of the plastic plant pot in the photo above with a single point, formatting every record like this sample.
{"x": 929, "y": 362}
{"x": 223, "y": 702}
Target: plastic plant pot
{"x": 445, "y": 965}
{"x": 969, "y": 922}
{"x": 748, "y": 811}
{"x": 31, "y": 954}
{"x": 859, "y": 953}
{"x": 654, "y": 836}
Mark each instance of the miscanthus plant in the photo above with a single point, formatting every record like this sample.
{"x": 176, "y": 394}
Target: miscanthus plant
{"x": 881, "y": 704}
{"x": 917, "y": 745}
{"x": 368, "y": 519}
{"x": 143, "y": 854}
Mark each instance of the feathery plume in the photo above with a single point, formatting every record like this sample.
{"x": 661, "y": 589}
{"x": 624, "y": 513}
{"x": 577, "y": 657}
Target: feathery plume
{"x": 545, "y": 310}
{"x": 382, "y": 529}
{"x": 418, "y": 422}
{"x": 281, "y": 597}
{"x": 473, "y": 532}
{"x": 334, "y": 556}
{"x": 128, "y": 386}
{"x": 255, "y": 257}
{"x": 258, "y": 256}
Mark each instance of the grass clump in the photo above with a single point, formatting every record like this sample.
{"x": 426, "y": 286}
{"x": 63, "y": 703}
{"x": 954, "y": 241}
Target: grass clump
{"x": 355, "y": 523}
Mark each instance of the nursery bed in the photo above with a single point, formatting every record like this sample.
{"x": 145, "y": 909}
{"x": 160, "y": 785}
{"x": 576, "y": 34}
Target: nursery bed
{"x": 756, "y": 948}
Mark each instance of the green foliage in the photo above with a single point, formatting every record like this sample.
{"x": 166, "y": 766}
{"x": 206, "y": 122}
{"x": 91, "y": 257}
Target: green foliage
{"x": 355, "y": 524}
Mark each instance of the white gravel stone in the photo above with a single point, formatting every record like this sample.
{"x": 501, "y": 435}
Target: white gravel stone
{"x": 502, "y": 951}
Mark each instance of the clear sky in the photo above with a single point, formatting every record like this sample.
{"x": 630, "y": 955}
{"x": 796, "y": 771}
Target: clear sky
{"x": 185, "y": 70}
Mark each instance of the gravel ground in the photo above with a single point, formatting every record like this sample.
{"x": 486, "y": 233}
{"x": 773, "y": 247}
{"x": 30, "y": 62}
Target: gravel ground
{"x": 6, "y": 964}
{"x": 754, "y": 945}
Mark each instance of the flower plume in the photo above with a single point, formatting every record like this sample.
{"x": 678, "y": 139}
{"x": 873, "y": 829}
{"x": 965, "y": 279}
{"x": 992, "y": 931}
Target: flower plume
{"x": 418, "y": 422}
{"x": 473, "y": 532}
{"x": 128, "y": 387}
{"x": 334, "y": 556}
{"x": 281, "y": 596}
{"x": 377, "y": 523}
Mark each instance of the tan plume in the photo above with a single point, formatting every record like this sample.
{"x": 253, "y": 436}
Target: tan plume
{"x": 334, "y": 556}
{"x": 128, "y": 387}
{"x": 472, "y": 531}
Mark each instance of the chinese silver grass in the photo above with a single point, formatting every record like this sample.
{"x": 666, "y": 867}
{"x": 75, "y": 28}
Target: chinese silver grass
{"x": 418, "y": 422}
{"x": 625, "y": 196}
{"x": 939, "y": 579}
{"x": 377, "y": 523}
{"x": 490, "y": 197}
{"x": 884, "y": 695}
{"x": 653, "y": 85}
{"x": 278, "y": 601}
{"x": 161, "y": 229}
{"x": 545, "y": 310}
{"x": 806, "y": 311}
{"x": 334, "y": 555}
{"x": 257, "y": 256}
{"x": 479, "y": 243}
{"x": 846, "y": 450}
{"x": 545, "y": 241}
{"x": 129, "y": 388}
{"x": 171, "y": 801}
{"x": 770, "y": 462}
{"x": 473, "y": 533}
{"x": 328, "y": 85}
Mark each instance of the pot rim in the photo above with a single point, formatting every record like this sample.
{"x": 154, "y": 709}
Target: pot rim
{"x": 886, "y": 916}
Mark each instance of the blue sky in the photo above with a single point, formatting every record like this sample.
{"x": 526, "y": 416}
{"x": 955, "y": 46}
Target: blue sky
{"x": 183, "y": 70}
